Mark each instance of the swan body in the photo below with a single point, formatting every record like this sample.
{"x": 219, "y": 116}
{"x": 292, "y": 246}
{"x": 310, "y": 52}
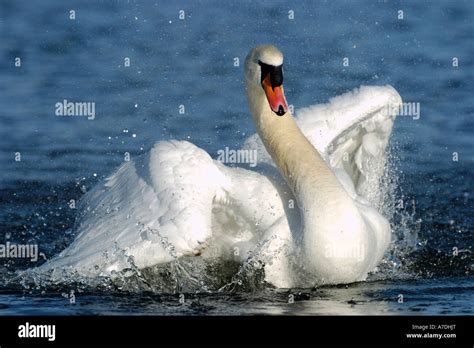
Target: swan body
{"x": 305, "y": 212}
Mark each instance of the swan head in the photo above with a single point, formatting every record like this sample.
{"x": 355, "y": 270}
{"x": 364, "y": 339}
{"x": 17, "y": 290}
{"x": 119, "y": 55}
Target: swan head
{"x": 264, "y": 70}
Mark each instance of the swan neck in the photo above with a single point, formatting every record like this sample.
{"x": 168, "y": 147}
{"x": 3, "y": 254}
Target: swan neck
{"x": 330, "y": 218}
{"x": 299, "y": 162}
{"x": 326, "y": 209}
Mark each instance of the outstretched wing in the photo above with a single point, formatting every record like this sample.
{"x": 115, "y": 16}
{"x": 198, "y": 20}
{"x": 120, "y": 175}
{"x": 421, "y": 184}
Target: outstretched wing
{"x": 156, "y": 208}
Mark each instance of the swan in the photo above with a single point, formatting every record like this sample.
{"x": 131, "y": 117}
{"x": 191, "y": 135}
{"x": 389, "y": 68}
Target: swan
{"x": 306, "y": 210}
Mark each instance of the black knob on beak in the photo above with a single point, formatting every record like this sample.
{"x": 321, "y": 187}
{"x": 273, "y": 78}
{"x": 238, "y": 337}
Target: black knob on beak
{"x": 280, "y": 111}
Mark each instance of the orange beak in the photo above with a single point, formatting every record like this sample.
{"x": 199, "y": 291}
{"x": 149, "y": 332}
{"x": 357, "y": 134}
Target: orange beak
{"x": 275, "y": 97}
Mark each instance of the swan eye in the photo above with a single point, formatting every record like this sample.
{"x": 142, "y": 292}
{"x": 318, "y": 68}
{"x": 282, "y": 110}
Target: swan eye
{"x": 275, "y": 72}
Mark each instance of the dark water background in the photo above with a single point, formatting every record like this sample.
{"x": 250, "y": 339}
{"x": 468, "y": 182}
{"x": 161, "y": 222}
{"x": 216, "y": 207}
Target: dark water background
{"x": 190, "y": 62}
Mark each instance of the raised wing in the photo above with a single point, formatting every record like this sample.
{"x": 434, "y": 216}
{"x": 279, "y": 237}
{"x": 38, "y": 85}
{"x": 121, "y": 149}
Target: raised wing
{"x": 156, "y": 209}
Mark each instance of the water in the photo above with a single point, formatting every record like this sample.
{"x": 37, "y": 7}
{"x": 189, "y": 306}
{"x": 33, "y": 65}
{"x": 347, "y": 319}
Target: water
{"x": 190, "y": 62}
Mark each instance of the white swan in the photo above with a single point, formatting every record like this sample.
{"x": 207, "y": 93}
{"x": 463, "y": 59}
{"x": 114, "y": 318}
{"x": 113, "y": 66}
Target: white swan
{"x": 177, "y": 201}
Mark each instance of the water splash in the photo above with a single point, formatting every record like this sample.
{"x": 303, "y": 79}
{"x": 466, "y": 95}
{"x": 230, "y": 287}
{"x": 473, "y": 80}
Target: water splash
{"x": 407, "y": 258}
